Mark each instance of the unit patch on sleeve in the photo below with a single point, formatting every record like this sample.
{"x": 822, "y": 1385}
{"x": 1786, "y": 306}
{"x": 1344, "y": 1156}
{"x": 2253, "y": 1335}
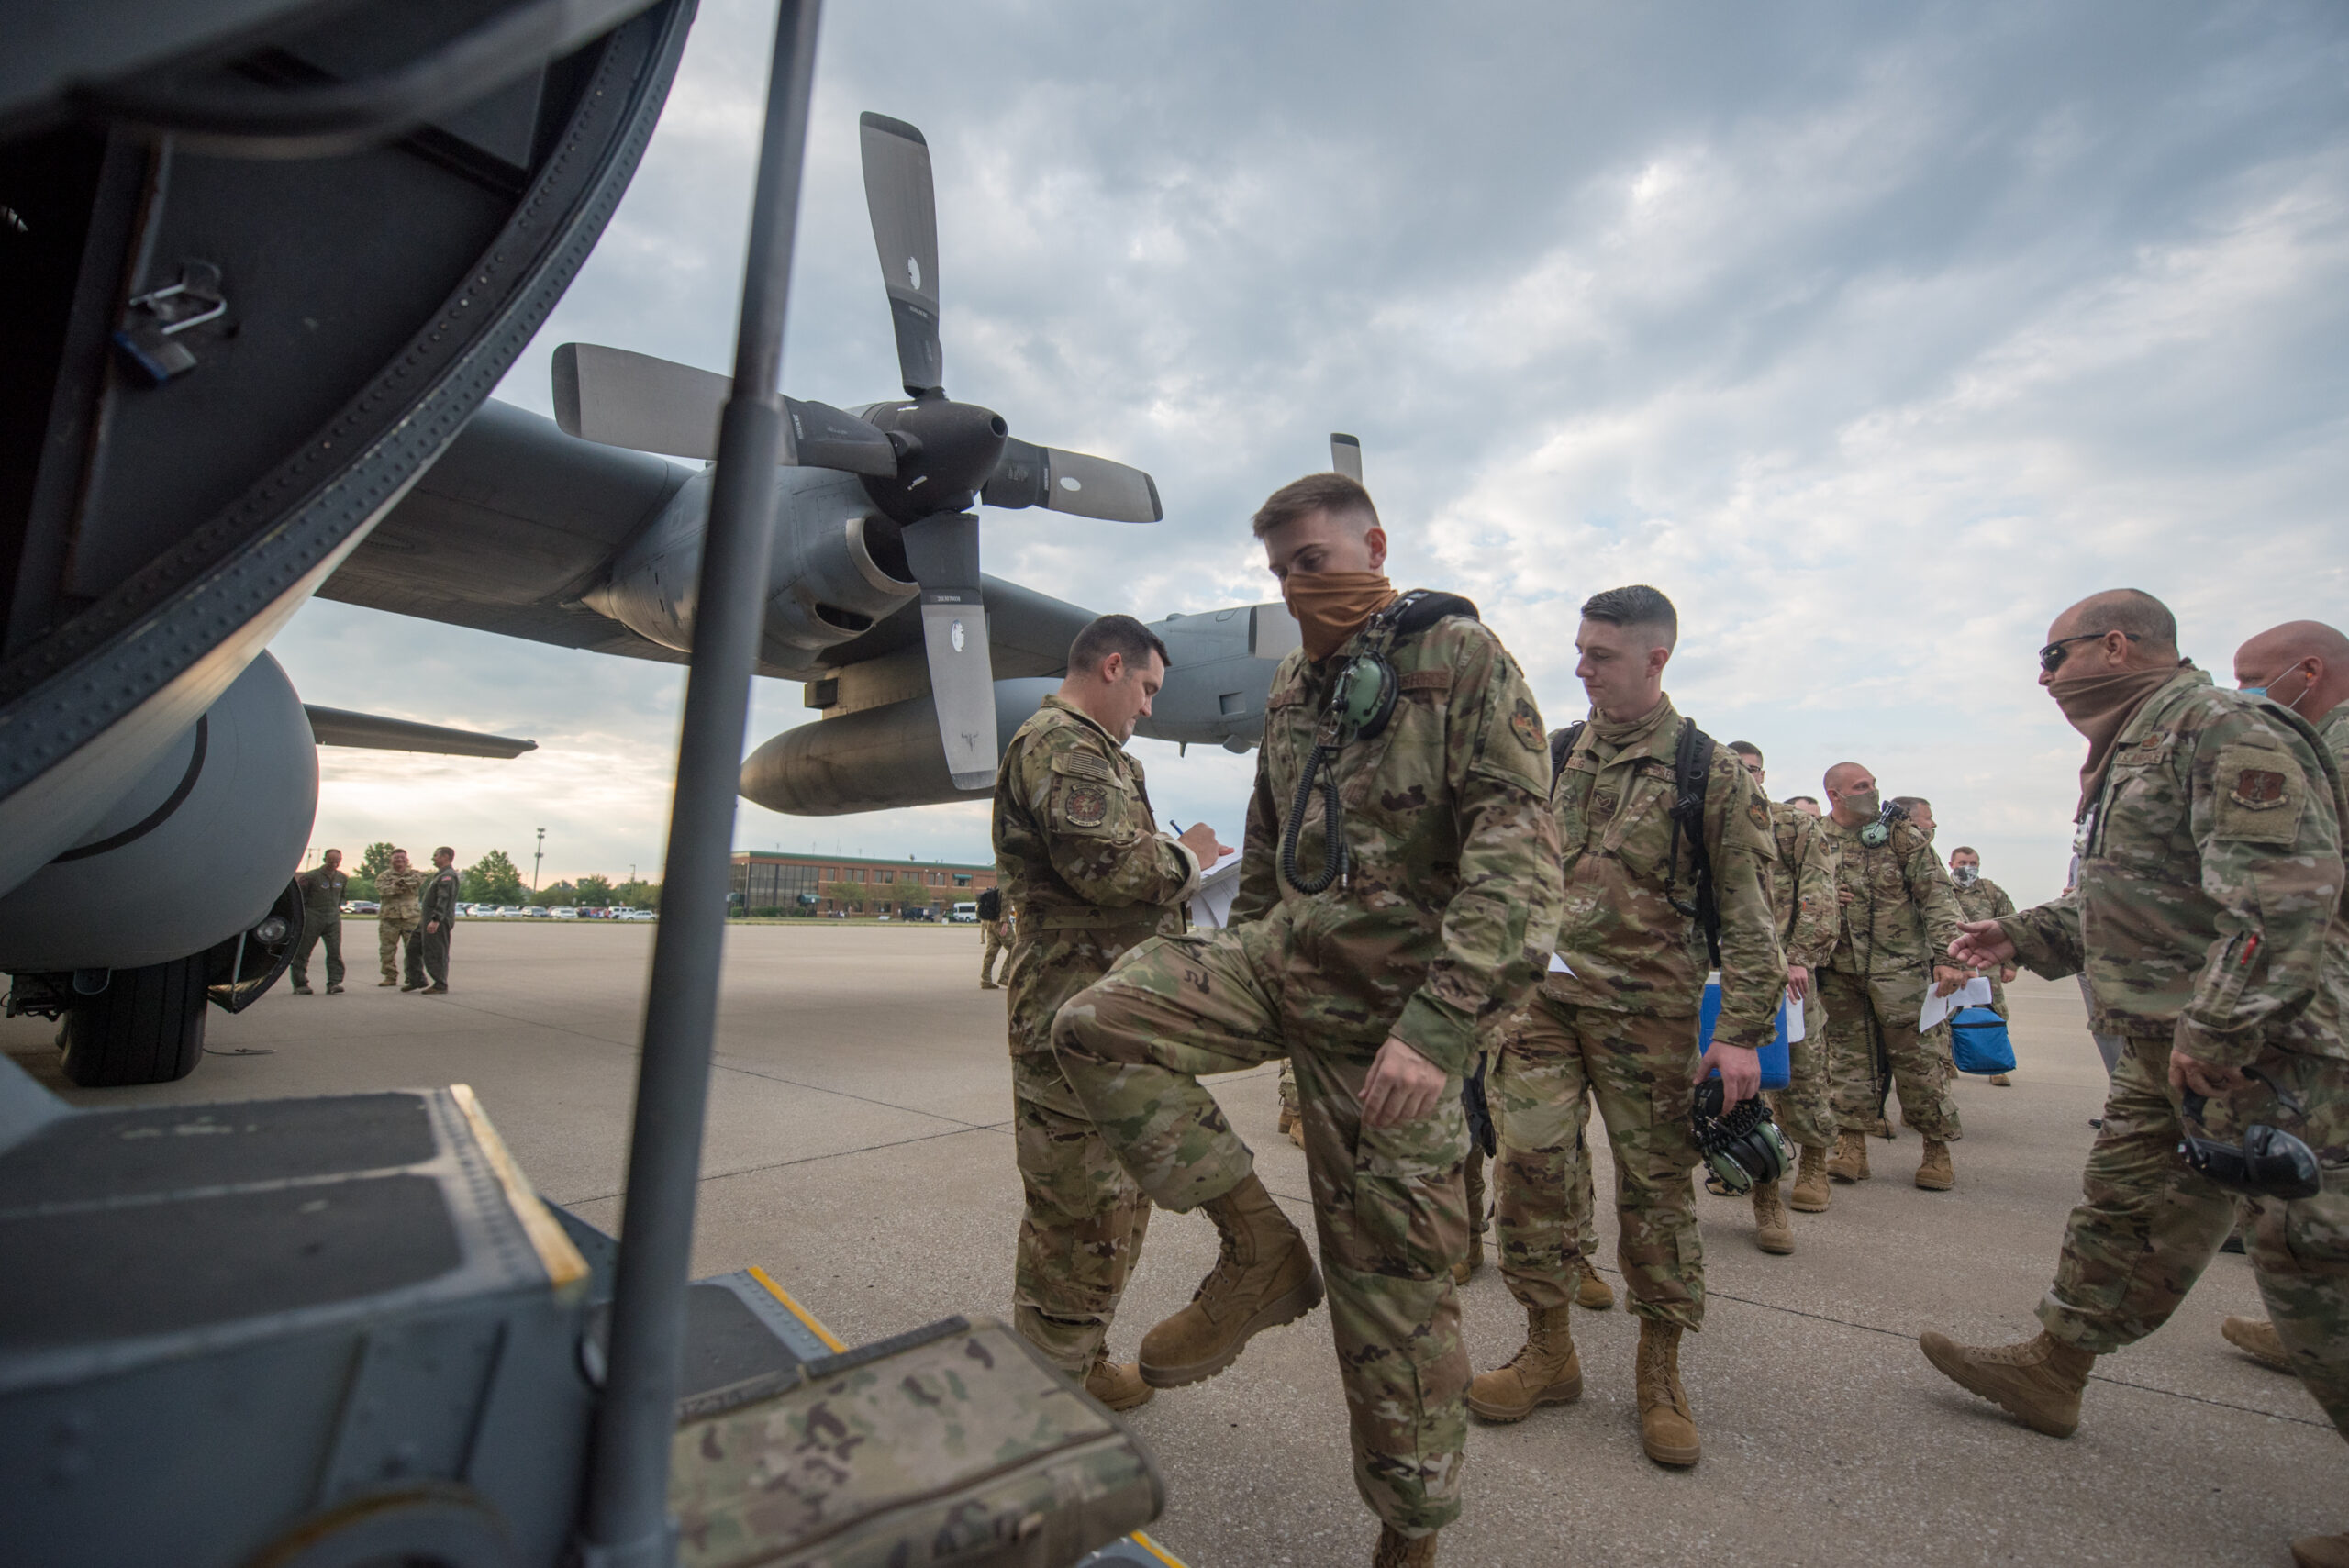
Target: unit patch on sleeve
{"x": 1525, "y": 724}
{"x": 1087, "y": 806}
{"x": 2261, "y": 802}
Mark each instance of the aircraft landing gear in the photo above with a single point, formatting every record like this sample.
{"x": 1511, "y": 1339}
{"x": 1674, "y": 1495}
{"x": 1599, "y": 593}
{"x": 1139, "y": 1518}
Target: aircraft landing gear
{"x": 145, "y": 1026}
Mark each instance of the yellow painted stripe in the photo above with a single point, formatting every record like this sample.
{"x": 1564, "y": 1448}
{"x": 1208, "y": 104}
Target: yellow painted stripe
{"x": 800, "y": 1312}
{"x": 565, "y": 1268}
{"x": 1154, "y": 1549}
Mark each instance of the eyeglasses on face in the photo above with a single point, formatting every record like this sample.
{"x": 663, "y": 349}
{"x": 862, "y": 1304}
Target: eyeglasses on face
{"x": 2051, "y": 657}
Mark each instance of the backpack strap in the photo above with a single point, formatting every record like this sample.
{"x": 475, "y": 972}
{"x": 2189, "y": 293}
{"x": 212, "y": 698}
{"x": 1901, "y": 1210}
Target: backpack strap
{"x": 1562, "y": 746}
{"x": 1692, "y": 770}
{"x": 1422, "y": 607}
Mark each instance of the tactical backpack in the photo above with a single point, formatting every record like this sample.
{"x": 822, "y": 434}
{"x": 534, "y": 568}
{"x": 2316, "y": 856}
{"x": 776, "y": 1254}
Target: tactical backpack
{"x": 1692, "y": 770}
{"x": 991, "y": 905}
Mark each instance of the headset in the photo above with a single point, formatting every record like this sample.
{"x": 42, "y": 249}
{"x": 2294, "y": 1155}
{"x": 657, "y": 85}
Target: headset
{"x": 1878, "y": 833}
{"x": 2269, "y": 1163}
{"x": 1360, "y": 706}
{"x": 1743, "y": 1147}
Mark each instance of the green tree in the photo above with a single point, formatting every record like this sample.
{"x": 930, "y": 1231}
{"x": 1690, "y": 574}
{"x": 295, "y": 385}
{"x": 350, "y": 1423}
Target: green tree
{"x": 844, "y": 891}
{"x": 638, "y": 893}
{"x": 493, "y": 879}
{"x": 596, "y": 892}
{"x": 556, "y": 892}
{"x": 377, "y": 860}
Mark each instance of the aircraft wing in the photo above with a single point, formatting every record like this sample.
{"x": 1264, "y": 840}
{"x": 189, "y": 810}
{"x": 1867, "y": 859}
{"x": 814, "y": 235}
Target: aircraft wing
{"x": 507, "y": 529}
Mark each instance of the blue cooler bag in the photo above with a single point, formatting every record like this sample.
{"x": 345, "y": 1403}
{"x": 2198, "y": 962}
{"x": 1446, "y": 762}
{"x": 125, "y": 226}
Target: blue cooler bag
{"x": 1978, "y": 1039}
{"x": 1776, "y": 1066}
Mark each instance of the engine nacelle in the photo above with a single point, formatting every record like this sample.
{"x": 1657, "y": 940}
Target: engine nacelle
{"x": 197, "y": 851}
{"x": 836, "y": 567}
{"x": 874, "y": 759}
{"x": 1222, "y": 670}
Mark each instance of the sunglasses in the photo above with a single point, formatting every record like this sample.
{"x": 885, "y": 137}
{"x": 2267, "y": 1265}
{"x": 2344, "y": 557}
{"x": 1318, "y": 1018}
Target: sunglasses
{"x": 2051, "y": 657}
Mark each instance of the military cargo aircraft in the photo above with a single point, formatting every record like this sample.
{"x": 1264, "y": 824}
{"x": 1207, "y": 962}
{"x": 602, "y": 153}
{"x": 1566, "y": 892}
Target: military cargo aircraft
{"x": 270, "y": 274}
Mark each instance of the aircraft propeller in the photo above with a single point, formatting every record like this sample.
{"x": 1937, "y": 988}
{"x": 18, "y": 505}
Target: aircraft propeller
{"x": 925, "y": 460}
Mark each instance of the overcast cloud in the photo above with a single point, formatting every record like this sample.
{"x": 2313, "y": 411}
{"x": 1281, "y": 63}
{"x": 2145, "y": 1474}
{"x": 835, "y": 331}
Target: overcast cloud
{"x": 1873, "y": 335}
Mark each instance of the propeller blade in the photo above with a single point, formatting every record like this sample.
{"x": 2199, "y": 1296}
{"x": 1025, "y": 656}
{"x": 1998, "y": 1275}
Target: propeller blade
{"x": 904, "y": 208}
{"x": 649, "y": 404}
{"x": 943, "y": 550}
{"x": 1030, "y": 476}
{"x": 825, "y": 437}
{"x": 638, "y": 402}
{"x": 1346, "y": 455}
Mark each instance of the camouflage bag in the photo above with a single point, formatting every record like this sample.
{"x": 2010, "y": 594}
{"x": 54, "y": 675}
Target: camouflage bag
{"x": 957, "y": 1443}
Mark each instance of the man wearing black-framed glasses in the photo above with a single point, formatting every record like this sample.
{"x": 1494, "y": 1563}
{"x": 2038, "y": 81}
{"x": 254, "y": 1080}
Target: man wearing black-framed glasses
{"x": 2207, "y": 916}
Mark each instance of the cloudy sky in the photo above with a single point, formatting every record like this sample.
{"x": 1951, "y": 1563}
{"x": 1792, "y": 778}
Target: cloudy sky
{"x": 1872, "y": 334}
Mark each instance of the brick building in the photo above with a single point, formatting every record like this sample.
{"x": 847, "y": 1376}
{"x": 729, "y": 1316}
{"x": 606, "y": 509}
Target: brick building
{"x": 766, "y": 881}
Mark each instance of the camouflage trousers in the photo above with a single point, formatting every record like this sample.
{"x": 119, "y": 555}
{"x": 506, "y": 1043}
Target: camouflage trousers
{"x": 2147, "y": 1226}
{"x": 1389, "y": 1205}
{"x": 1636, "y": 1066}
{"x": 1084, "y": 1223}
{"x": 1880, "y": 1014}
{"x": 995, "y": 945}
{"x": 391, "y": 932}
{"x": 1805, "y": 1109}
{"x": 1288, "y": 1088}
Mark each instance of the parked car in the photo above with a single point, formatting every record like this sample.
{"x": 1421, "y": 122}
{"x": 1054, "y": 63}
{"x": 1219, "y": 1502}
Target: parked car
{"x": 362, "y": 907}
{"x": 635, "y": 915}
{"x": 538, "y": 912}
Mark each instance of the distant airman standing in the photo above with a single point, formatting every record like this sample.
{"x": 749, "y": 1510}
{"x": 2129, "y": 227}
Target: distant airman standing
{"x": 399, "y": 891}
{"x": 438, "y": 916}
{"x": 322, "y": 890}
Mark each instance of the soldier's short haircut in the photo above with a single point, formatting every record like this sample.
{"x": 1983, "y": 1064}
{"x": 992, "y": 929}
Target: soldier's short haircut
{"x": 1747, "y": 748}
{"x": 444, "y": 850}
{"x": 1912, "y": 801}
{"x": 1114, "y": 634}
{"x": 1966, "y": 850}
{"x": 324, "y": 853}
{"x": 1637, "y": 607}
{"x": 2132, "y": 611}
{"x": 1798, "y": 799}
{"x": 1335, "y": 493}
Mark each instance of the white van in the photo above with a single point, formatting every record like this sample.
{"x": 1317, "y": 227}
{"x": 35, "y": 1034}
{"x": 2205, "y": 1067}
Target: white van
{"x": 965, "y": 914}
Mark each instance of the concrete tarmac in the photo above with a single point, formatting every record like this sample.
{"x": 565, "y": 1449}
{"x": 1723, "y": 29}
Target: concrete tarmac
{"x": 859, "y": 1150}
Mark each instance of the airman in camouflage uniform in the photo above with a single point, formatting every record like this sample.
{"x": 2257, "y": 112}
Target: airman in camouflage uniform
{"x": 1899, "y": 920}
{"x": 1804, "y": 912}
{"x": 1077, "y": 856}
{"x": 1621, "y": 1028}
{"x": 399, "y": 889}
{"x": 2209, "y": 920}
{"x": 1376, "y": 987}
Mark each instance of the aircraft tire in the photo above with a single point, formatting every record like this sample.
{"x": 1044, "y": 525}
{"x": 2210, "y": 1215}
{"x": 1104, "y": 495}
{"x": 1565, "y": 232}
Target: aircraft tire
{"x": 146, "y": 1026}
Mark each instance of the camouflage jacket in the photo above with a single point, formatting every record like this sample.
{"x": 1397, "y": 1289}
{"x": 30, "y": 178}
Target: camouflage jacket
{"x": 2332, "y": 729}
{"x": 439, "y": 902}
{"x": 400, "y": 892}
{"x": 1802, "y": 888}
{"x": 1080, "y": 862}
{"x": 1985, "y": 900}
{"x": 1448, "y": 909}
{"x": 1902, "y": 916}
{"x": 2210, "y": 891}
{"x": 1630, "y": 950}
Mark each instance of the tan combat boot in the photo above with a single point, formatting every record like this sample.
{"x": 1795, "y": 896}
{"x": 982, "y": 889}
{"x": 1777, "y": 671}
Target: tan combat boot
{"x": 1398, "y": 1551}
{"x": 1289, "y": 1120}
{"x": 2320, "y": 1552}
{"x": 1849, "y": 1160}
{"x": 2000, "y": 1081}
{"x": 1118, "y": 1384}
{"x": 1811, "y": 1193}
{"x": 1264, "y": 1277}
{"x": 1934, "y": 1172}
{"x": 2037, "y": 1381}
{"x": 1772, "y": 1232}
{"x": 2257, "y": 1338}
{"x": 1667, "y": 1430}
{"x": 1593, "y": 1294}
{"x": 1467, "y": 1267}
{"x": 1545, "y": 1370}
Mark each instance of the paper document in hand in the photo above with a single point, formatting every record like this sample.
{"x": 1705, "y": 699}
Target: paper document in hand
{"x": 1558, "y": 965}
{"x": 1794, "y": 1019}
{"x": 1219, "y": 886}
{"x": 1975, "y": 993}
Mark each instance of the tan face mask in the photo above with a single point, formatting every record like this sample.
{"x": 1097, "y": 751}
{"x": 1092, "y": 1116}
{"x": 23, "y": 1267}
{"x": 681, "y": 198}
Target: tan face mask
{"x": 2100, "y": 706}
{"x": 1330, "y": 606}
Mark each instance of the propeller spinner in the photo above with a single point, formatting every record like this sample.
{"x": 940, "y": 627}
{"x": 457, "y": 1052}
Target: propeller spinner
{"x": 925, "y": 462}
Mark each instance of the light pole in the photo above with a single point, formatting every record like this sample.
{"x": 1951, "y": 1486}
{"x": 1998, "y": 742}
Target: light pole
{"x": 537, "y": 855}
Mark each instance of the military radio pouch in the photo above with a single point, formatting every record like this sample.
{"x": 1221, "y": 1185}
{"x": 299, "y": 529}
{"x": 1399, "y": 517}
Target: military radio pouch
{"x": 1692, "y": 770}
{"x": 2269, "y": 1163}
{"x": 1742, "y": 1146}
{"x": 1361, "y": 703}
